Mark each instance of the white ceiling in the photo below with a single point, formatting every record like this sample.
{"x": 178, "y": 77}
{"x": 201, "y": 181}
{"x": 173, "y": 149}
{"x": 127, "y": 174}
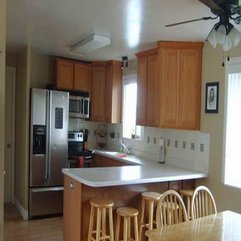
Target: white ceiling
{"x": 52, "y": 26}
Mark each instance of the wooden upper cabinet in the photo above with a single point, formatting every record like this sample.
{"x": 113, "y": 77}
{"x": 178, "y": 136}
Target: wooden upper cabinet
{"x": 64, "y": 74}
{"x": 152, "y": 105}
{"x": 190, "y": 89}
{"x": 180, "y": 81}
{"x": 82, "y": 73}
{"x": 113, "y": 92}
{"x": 72, "y": 75}
{"x": 147, "y": 88}
{"x": 142, "y": 64}
{"x": 98, "y": 92}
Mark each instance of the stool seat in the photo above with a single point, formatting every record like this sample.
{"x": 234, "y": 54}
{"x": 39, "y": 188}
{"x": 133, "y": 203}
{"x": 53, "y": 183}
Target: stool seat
{"x": 151, "y": 196}
{"x": 101, "y": 203}
{"x": 101, "y": 209}
{"x": 127, "y": 212}
{"x": 186, "y": 192}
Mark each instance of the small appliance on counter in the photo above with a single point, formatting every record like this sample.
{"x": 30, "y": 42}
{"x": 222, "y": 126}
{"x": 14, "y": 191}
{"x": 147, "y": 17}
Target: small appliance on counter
{"x": 78, "y": 156}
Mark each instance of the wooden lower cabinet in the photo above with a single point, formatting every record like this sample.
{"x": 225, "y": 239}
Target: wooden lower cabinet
{"x": 72, "y": 210}
{"x": 101, "y": 161}
{"x": 77, "y": 197}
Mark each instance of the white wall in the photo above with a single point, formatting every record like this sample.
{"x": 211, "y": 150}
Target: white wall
{"x": 227, "y": 197}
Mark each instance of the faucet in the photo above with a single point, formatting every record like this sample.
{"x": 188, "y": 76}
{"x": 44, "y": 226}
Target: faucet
{"x": 126, "y": 148}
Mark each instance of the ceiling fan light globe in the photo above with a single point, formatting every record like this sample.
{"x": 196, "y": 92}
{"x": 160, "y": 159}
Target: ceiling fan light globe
{"x": 212, "y": 38}
{"x": 221, "y": 34}
{"x": 235, "y": 36}
{"x": 227, "y": 45}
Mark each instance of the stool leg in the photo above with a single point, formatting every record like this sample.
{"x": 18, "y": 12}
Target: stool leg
{"x": 136, "y": 229}
{"x": 111, "y": 225}
{"x": 129, "y": 228}
{"x": 117, "y": 234}
{"x": 91, "y": 223}
{"x": 150, "y": 221}
{"x": 142, "y": 216}
{"x": 98, "y": 222}
{"x": 103, "y": 226}
{"x": 189, "y": 207}
{"x": 125, "y": 233}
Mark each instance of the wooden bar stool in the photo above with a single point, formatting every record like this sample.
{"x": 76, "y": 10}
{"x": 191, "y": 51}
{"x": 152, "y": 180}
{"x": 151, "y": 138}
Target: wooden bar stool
{"x": 99, "y": 207}
{"x": 149, "y": 199}
{"x": 186, "y": 194}
{"x": 127, "y": 213}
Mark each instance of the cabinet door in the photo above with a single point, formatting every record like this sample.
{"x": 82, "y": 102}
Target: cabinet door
{"x": 113, "y": 92}
{"x": 142, "y": 65}
{"x": 152, "y": 106}
{"x": 82, "y": 77}
{"x": 72, "y": 209}
{"x": 169, "y": 77}
{"x": 189, "y": 98}
{"x": 64, "y": 74}
{"x": 98, "y": 93}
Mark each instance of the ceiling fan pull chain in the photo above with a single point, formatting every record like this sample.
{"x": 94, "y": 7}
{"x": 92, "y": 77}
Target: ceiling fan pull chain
{"x": 223, "y": 64}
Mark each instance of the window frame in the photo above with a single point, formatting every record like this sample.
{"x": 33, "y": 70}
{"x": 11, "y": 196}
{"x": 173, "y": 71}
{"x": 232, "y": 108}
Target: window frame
{"x": 236, "y": 60}
{"x": 128, "y": 79}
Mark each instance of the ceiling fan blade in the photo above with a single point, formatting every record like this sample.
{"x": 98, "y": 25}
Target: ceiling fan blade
{"x": 189, "y": 21}
{"x": 212, "y": 4}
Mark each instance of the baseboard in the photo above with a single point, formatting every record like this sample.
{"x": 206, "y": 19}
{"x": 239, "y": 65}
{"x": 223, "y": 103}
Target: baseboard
{"x": 21, "y": 209}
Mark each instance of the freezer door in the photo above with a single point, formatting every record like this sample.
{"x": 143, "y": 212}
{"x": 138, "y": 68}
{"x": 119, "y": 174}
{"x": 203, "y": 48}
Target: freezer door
{"x": 38, "y": 138}
{"x": 58, "y": 138}
{"x": 45, "y": 201}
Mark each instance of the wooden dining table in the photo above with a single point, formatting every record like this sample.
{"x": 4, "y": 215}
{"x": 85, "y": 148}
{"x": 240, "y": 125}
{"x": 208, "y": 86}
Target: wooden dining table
{"x": 223, "y": 226}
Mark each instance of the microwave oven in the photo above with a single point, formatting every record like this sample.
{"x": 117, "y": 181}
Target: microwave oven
{"x": 79, "y": 105}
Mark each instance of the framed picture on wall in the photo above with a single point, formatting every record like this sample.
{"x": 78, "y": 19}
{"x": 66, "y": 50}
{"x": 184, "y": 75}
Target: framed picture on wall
{"x": 211, "y": 101}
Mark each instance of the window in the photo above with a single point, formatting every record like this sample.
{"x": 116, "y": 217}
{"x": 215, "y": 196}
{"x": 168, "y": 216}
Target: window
{"x": 130, "y": 130}
{"x": 233, "y": 127}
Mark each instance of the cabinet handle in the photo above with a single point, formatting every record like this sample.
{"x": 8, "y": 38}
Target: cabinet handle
{"x": 71, "y": 185}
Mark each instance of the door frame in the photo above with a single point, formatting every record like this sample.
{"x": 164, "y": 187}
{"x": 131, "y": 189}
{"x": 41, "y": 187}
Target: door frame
{"x": 13, "y": 70}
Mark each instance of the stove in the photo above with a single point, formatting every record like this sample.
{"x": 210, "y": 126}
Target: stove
{"x": 78, "y": 156}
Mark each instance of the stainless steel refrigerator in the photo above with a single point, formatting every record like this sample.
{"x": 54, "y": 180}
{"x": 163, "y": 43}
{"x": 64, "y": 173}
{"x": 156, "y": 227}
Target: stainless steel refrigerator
{"x": 48, "y": 151}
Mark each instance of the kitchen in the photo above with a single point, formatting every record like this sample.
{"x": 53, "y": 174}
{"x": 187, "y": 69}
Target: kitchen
{"x": 211, "y": 124}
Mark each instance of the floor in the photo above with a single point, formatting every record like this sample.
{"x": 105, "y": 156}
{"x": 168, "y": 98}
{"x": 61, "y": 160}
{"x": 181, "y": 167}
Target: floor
{"x": 16, "y": 229}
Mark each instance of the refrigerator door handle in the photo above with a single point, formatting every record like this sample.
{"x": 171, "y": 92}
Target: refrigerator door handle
{"x": 47, "y": 189}
{"x": 50, "y": 135}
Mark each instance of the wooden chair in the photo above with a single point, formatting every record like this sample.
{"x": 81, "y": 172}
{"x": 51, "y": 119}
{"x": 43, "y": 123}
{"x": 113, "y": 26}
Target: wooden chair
{"x": 170, "y": 209}
{"x": 202, "y": 203}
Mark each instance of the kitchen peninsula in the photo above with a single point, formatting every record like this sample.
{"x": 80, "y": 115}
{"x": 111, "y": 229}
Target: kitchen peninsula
{"x": 123, "y": 184}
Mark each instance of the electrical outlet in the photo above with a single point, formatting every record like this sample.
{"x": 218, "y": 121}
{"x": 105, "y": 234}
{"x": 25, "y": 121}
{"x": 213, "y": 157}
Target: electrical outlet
{"x": 184, "y": 145}
{"x": 176, "y": 144}
{"x": 201, "y": 147}
{"x": 193, "y": 146}
{"x": 148, "y": 139}
{"x": 168, "y": 142}
{"x": 154, "y": 140}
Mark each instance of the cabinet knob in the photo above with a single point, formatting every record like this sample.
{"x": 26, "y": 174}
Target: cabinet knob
{"x": 71, "y": 185}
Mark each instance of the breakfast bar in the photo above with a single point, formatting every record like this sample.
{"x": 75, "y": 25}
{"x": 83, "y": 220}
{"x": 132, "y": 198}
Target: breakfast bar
{"x": 122, "y": 184}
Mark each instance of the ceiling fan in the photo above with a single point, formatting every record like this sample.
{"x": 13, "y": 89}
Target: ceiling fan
{"x": 223, "y": 32}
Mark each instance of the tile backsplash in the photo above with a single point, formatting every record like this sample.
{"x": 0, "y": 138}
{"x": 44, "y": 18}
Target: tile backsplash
{"x": 189, "y": 149}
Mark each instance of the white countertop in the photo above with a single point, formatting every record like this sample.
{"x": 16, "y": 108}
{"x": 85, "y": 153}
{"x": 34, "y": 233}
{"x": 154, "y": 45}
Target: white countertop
{"x": 145, "y": 171}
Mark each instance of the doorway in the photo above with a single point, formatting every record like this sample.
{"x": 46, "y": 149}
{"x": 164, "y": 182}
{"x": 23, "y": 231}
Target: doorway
{"x": 10, "y": 77}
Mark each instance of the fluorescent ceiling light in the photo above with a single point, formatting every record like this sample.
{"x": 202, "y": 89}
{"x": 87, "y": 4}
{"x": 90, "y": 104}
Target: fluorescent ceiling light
{"x": 90, "y": 44}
